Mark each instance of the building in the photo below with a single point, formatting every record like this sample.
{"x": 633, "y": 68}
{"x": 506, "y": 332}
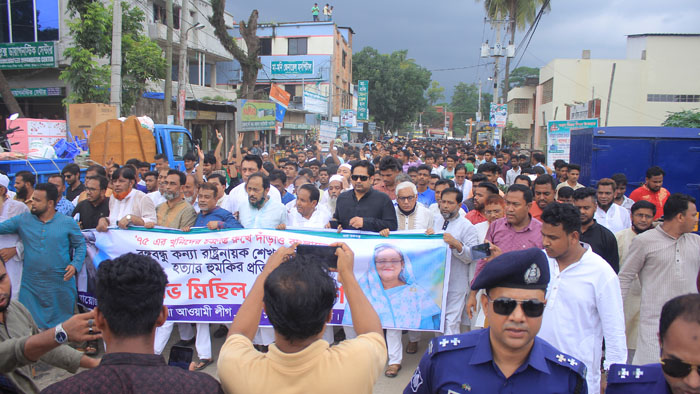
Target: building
{"x": 32, "y": 57}
{"x": 656, "y": 76}
{"x": 312, "y": 61}
{"x": 521, "y": 111}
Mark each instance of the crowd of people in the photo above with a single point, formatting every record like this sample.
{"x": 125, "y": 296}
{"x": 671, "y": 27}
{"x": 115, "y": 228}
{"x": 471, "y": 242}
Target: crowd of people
{"x": 576, "y": 278}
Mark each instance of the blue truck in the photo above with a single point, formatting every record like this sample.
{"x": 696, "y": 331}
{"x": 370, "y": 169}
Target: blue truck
{"x": 171, "y": 140}
{"x": 603, "y": 151}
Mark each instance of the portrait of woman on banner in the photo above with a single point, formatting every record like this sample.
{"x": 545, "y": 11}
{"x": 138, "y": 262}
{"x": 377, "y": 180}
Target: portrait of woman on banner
{"x": 393, "y": 291}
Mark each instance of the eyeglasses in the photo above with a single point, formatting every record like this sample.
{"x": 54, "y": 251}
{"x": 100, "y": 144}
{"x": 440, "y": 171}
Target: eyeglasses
{"x": 505, "y": 306}
{"x": 92, "y": 189}
{"x": 677, "y": 368}
{"x": 387, "y": 262}
{"x": 362, "y": 178}
{"x": 406, "y": 199}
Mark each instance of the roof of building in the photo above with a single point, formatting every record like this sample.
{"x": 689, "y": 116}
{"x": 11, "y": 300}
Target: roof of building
{"x": 664, "y": 34}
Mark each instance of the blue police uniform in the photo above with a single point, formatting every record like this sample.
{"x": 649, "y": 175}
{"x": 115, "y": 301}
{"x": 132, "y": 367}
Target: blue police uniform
{"x": 629, "y": 379}
{"x": 464, "y": 363}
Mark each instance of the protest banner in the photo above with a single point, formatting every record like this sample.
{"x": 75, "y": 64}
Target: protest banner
{"x": 211, "y": 272}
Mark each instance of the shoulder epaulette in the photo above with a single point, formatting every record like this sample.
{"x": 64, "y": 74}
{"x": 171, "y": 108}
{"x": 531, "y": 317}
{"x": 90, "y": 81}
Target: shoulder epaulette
{"x": 452, "y": 342}
{"x": 627, "y": 373}
{"x": 563, "y": 359}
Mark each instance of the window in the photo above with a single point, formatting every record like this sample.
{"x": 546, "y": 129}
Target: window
{"x": 160, "y": 16}
{"x": 181, "y": 144}
{"x": 674, "y": 98}
{"x": 519, "y": 106}
{"x": 297, "y": 46}
{"x": 547, "y": 91}
{"x": 291, "y": 89}
{"x": 345, "y": 59}
{"x": 265, "y": 47}
{"x": 25, "y": 20}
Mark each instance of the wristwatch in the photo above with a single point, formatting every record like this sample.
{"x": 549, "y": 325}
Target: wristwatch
{"x": 60, "y": 334}
{"x": 128, "y": 219}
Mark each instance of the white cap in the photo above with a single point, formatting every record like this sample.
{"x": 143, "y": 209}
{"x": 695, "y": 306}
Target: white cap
{"x": 346, "y": 165}
{"x": 265, "y": 154}
{"x": 336, "y": 177}
{"x": 4, "y": 181}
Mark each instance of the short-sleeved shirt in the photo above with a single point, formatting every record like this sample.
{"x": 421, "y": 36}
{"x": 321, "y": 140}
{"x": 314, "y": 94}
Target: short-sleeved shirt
{"x": 352, "y": 366}
{"x": 91, "y": 214}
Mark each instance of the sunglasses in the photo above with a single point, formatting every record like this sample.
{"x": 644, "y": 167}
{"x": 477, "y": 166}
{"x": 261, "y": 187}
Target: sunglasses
{"x": 505, "y": 306}
{"x": 677, "y": 368}
{"x": 362, "y": 178}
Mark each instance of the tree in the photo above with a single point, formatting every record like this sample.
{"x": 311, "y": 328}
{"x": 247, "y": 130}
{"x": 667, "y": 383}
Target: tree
{"x": 512, "y": 134}
{"x": 520, "y": 13}
{"x": 435, "y": 93}
{"x": 91, "y": 30}
{"x": 688, "y": 118}
{"x": 519, "y": 76}
{"x": 465, "y": 105}
{"x": 8, "y": 97}
{"x": 397, "y": 85}
{"x": 248, "y": 59}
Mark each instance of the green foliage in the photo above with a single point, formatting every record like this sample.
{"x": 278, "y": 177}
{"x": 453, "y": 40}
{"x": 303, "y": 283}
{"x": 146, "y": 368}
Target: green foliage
{"x": 435, "y": 93}
{"x": 465, "y": 104}
{"x": 688, "y": 118}
{"x": 431, "y": 118}
{"x": 397, "y": 86}
{"x": 524, "y": 11}
{"x": 520, "y": 75}
{"x": 512, "y": 134}
{"x": 89, "y": 72}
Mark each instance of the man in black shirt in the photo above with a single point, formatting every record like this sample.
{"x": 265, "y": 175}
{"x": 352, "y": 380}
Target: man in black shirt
{"x": 364, "y": 208}
{"x": 71, "y": 173}
{"x": 95, "y": 206}
{"x": 602, "y": 241}
{"x": 130, "y": 291}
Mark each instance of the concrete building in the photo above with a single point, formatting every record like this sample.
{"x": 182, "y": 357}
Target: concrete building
{"x": 312, "y": 61}
{"x": 40, "y": 92}
{"x": 656, "y": 76}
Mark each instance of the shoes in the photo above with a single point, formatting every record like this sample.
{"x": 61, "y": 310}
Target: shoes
{"x": 412, "y": 347}
{"x": 392, "y": 370}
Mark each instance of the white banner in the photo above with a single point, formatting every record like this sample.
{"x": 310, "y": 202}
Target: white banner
{"x": 211, "y": 272}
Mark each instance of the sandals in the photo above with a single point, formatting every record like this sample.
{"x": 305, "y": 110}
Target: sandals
{"x": 201, "y": 365}
{"x": 392, "y": 370}
{"x": 412, "y": 347}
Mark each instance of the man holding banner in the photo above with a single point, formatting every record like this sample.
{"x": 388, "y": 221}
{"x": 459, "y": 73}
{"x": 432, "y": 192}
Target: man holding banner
{"x": 298, "y": 295}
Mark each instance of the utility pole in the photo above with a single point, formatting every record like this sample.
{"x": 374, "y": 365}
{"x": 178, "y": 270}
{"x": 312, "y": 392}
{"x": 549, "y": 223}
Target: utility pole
{"x": 168, "y": 91}
{"x": 115, "y": 94}
{"x": 182, "y": 74}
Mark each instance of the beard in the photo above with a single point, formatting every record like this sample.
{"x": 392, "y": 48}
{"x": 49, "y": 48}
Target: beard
{"x": 22, "y": 193}
{"x": 257, "y": 204}
{"x": 38, "y": 212}
{"x": 5, "y": 296}
{"x": 638, "y": 230}
{"x": 190, "y": 200}
{"x": 586, "y": 221}
{"x": 169, "y": 196}
{"x": 332, "y": 202}
{"x": 448, "y": 215}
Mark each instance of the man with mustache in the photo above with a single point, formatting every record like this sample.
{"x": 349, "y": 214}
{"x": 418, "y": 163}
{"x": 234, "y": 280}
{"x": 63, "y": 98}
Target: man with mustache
{"x": 175, "y": 212}
{"x": 24, "y": 186}
{"x": 330, "y": 197}
{"x": 507, "y": 356}
{"x": 261, "y": 211}
{"x": 127, "y": 206}
{"x": 652, "y": 190}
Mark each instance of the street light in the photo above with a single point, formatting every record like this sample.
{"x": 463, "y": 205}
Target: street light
{"x": 183, "y": 74}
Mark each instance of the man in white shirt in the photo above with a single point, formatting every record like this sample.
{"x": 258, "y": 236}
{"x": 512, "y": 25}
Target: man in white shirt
{"x": 461, "y": 181}
{"x": 330, "y": 197}
{"x": 157, "y": 196}
{"x": 410, "y": 216}
{"x": 127, "y": 206}
{"x": 250, "y": 165}
{"x": 584, "y": 302}
{"x": 307, "y": 212}
{"x": 460, "y": 235}
{"x": 620, "y": 188}
{"x": 261, "y": 211}
{"x": 608, "y": 214}
{"x": 513, "y": 172}
{"x": 441, "y": 185}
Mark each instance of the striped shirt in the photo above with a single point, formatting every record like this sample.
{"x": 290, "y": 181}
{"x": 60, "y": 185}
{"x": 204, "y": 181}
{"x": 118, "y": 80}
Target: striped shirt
{"x": 667, "y": 267}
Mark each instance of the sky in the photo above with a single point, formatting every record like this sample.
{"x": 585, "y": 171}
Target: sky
{"x": 447, "y": 34}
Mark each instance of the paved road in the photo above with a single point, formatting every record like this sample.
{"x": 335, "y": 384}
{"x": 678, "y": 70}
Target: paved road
{"x": 47, "y": 375}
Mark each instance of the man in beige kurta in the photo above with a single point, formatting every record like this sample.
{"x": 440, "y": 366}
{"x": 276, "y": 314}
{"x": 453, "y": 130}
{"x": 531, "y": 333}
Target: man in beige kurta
{"x": 667, "y": 260}
{"x": 175, "y": 212}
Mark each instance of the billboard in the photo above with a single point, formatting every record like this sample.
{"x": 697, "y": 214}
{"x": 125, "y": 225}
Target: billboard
{"x": 296, "y": 67}
{"x": 362, "y": 100}
{"x": 348, "y": 118}
{"x": 256, "y": 115}
{"x": 559, "y": 137}
{"x": 314, "y": 101}
{"x": 499, "y": 115}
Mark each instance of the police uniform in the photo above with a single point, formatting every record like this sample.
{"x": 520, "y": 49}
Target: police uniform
{"x": 632, "y": 379}
{"x": 464, "y": 363}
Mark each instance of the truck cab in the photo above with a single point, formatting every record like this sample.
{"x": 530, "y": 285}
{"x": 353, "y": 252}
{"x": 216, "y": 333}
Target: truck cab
{"x": 174, "y": 142}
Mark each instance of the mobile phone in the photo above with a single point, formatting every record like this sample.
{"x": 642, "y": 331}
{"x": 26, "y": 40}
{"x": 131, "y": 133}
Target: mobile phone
{"x": 321, "y": 253}
{"x": 481, "y": 251}
{"x": 180, "y": 357}
{"x": 333, "y": 223}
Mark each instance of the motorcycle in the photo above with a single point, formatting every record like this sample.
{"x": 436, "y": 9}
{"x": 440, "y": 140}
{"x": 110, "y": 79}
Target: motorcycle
{"x": 5, "y": 145}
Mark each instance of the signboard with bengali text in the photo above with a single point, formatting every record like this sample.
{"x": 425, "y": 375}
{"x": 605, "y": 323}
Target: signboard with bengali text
{"x": 559, "y": 137}
{"x": 23, "y": 55}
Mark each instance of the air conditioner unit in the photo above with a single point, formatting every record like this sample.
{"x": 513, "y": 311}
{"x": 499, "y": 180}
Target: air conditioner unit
{"x": 297, "y": 99}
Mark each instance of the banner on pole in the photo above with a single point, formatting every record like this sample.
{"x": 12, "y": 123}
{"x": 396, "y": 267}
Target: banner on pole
{"x": 559, "y": 137}
{"x": 211, "y": 272}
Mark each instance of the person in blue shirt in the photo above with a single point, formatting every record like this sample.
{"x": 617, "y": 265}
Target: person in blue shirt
{"x": 506, "y": 357}
{"x": 278, "y": 179}
{"x": 211, "y": 216}
{"x": 63, "y": 205}
{"x": 426, "y": 196}
{"x": 678, "y": 370}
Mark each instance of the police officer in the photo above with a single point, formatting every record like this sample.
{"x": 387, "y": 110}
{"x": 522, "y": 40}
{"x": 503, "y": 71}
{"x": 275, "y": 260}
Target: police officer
{"x": 680, "y": 355}
{"x": 506, "y": 357}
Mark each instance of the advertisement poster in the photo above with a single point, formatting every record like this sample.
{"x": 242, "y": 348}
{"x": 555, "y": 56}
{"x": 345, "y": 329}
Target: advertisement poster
{"x": 348, "y": 118}
{"x": 210, "y": 273}
{"x": 362, "y": 100}
{"x": 499, "y": 115}
{"x": 256, "y": 115}
{"x": 559, "y": 137}
{"x": 35, "y": 132}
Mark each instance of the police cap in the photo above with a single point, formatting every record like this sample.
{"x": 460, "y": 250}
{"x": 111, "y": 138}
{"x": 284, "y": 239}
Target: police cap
{"x": 522, "y": 269}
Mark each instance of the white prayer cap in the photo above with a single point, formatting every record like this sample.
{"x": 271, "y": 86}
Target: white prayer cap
{"x": 4, "y": 181}
{"x": 346, "y": 165}
{"x": 336, "y": 177}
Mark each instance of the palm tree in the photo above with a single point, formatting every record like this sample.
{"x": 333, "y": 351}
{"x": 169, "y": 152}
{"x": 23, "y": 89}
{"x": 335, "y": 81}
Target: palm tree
{"x": 520, "y": 13}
